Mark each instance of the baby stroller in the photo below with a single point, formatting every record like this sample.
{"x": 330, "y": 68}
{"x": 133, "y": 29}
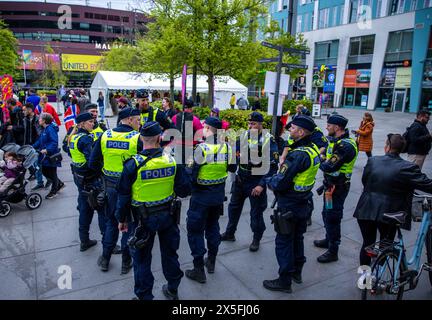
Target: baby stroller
{"x": 16, "y": 193}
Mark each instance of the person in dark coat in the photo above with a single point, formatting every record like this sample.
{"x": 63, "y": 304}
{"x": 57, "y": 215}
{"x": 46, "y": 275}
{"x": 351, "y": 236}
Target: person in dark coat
{"x": 389, "y": 183}
{"x": 419, "y": 138}
{"x": 32, "y": 128}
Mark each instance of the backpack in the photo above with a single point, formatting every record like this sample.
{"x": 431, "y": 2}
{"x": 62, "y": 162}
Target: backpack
{"x": 405, "y": 135}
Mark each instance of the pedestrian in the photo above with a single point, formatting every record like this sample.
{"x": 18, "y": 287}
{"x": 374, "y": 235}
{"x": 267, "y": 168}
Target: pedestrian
{"x": 101, "y": 105}
{"x": 419, "y": 139}
{"x": 72, "y": 111}
{"x": 33, "y": 97}
{"x": 232, "y": 100}
{"x": 251, "y": 184}
{"x": 107, "y": 158}
{"x": 32, "y": 129}
{"x": 341, "y": 155}
{"x": 209, "y": 172}
{"x": 168, "y": 108}
{"x": 47, "y": 145}
{"x": 148, "y": 183}
{"x": 44, "y": 106}
{"x": 80, "y": 146}
{"x": 83, "y": 99}
{"x": 243, "y": 103}
{"x": 292, "y": 186}
{"x": 114, "y": 104}
{"x": 364, "y": 134}
{"x": 17, "y": 122}
{"x": 198, "y": 100}
{"x": 257, "y": 105}
{"x": 388, "y": 186}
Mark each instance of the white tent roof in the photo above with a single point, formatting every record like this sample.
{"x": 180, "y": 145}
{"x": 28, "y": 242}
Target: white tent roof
{"x": 129, "y": 80}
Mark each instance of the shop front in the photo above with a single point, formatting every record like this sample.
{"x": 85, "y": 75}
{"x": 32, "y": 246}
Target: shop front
{"x": 323, "y": 85}
{"x": 356, "y": 88}
{"x": 395, "y": 84}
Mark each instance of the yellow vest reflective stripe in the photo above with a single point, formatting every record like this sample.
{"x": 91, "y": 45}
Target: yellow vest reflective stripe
{"x": 145, "y": 116}
{"x": 78, "y": 158}
{"x": 215, "y": 166}
{"x": 96, "y": 133}
{"x": 304, "y": 181}
{"x": 347, "y": 168}
{"x": 154, "y": 184}
{"x": 116, "y": 148}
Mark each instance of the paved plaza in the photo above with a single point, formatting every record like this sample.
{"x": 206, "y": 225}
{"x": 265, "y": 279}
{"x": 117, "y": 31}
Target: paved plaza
{"x": 34, "y": 244}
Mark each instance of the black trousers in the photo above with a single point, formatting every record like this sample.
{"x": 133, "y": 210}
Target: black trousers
{"x": 368, "y": 230}
{"x": 51, "y": 174}
{"x": 369, "y": 154}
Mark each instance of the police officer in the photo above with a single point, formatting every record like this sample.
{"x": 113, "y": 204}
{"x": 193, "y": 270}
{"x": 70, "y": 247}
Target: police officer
{"x": 248, "y": 185}
{"x": 109, "y": 153}
{"x": 340, "y": 159}
{"x": 292, "y": 186}
{"x": 79, "y": 147}
{"x": 209, "y": 172}
{"x": 148, "y": 184}
{"x": 148, "y": 113}
{"x": 99, "y": 126}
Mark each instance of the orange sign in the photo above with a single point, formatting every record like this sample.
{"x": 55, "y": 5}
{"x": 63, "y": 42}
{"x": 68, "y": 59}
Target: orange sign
{"x": 357, "y": 78}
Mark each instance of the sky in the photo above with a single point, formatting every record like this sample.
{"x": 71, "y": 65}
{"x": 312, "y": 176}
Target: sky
{"x": 115, "y": 4}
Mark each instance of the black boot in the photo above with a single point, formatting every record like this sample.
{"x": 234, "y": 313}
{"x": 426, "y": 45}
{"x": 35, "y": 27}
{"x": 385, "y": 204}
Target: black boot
{"x": 327, "y": 257}
{"x": 296, "y": 277}
{"x": 196, "y": 274}
{"x": 227, "y": 237}
{"x": 254, "y": 246}
{"x": 117, "y": 250}
{"x": 276, "y": 285}
{"x": 209, "y": 262}
{"x": 88, "y": 244}
{"x": 103, "y": 263}
{"x": 321, "y": 243}
{"x": 169, "y": 294}
{"x": 126, "y": 265}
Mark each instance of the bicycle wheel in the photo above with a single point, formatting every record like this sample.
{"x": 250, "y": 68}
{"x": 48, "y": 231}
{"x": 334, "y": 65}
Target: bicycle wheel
{"x": 382, "y": 278}
{"x": 429, "y": 251}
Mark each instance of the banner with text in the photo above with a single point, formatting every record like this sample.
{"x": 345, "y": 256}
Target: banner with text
{"x": 80, "y": 62}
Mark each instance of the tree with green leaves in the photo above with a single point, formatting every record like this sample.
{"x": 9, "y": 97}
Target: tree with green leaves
{"x": 10, "y": 60}
{"x": 52, "y": 75}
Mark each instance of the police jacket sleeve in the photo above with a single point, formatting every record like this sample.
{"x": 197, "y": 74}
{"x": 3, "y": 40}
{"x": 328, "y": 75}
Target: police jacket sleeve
{"x": 96, "y": 159}
{"x": 85, "y": 146}
{"x": 124, "y": 189}
{"x": 295, "y": 162}
{"x": 182, "y": 183}
{"x": 273, "y": 160}
{"x": 343, "y": 153}
{"x": 319, "y": 140}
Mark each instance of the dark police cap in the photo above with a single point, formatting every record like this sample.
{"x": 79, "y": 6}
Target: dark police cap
{"x": 151, "y": 129}
{"x": 142, "y": 94}
{"x": 214, "y": 122}
{"x": 84, "y": 117}
{"x": 305, "y": 112}
{"x": 256, "y": 116}
{"x": 304, "y": 122}
{"x": 90, "y": 106}
{"x": 128, "y": 112}
{"x": 338, "y": 120}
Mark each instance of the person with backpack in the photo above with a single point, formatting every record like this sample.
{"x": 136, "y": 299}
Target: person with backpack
{"x": 419, "y": 139}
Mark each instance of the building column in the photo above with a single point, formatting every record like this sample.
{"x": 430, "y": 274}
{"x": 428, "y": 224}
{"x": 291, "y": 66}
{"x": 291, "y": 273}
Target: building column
{"x": 316, "y": 15}
{"x": 310, "y": 64}
{"x": 380, "y": 47}
{"x": 341, "y": 67}
{"x": 345, "y": 19}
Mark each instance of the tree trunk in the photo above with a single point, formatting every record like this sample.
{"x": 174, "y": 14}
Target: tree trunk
{"x": 210, "y": 90}
{"x": 172, "y": 88}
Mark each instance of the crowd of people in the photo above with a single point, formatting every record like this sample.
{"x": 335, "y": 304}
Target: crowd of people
{"x": 133, "y": 183}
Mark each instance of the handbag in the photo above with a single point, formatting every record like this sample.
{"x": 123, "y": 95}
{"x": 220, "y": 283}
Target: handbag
{"x": 56, "y": 157}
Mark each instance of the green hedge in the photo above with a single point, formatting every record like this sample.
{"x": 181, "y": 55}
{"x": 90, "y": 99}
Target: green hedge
{"x": 238, "y": 119}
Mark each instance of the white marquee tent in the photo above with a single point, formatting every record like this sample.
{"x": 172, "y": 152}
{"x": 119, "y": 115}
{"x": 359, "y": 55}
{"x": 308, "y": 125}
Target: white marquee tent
{"x": 114, "y": 80}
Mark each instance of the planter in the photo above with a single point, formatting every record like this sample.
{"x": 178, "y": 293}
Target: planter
{"x": 387, "y": 109}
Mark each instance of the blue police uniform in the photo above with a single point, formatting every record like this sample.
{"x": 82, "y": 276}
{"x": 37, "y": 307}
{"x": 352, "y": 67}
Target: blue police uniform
{"x": 343, "y": 152}
{"x": 160, "y": 222}
{"x": 206, "y": 204}
{"x": 297, "y": 199}
{"x": 84, "y": 179}
{"x": 154, "y": 114}
{"x": 242, "y": 187}
{"x": 96, "y": 163}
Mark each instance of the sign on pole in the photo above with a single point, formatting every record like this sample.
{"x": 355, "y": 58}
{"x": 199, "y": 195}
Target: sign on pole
{"x": 267, "y": 60}
{"x": 294, "y": 66}
{"x": 316, "y": 110}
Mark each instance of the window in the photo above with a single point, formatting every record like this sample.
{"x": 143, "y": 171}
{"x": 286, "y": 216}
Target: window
{"x": 66, "y": 37}
{"x": 326, "y": 52}
{"x": 428, "y": 3}
{"x": 335, "y": 13}
{"x": 280, "y": 5}
{"x": 323, "y": 21}
{"x": 399, "y": 46}
{"x": 125, "y": 19}
{"x": 354, "y": 46}
{"x": 75, "y": 38}
{"x": 353, "y": 11}
{"x": 401, "y": 6}
{"x": 413, "y": 5}
{"x": 362, "y": 45}
{"x": 378, "y": 9}
{"x": 299, "y": 23}
{"x": 84, "y": 26}
{"x": 306, "y": 26}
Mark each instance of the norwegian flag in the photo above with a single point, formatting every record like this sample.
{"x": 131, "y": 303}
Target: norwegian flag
{"x": 70, "y": 115}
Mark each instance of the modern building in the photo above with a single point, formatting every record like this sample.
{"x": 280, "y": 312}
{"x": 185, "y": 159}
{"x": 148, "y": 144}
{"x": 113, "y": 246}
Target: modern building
{"x": 77, "y": 34}
{"x": 372, "y": 54}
